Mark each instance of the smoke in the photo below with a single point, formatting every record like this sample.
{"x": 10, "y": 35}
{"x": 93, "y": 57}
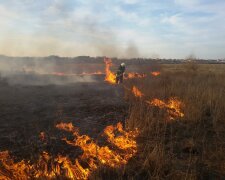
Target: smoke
{"x": 44, "y": 71}
{"x": 85, "y": 34}
{"x": 105, "y": 42}
{"x": 132, "y": 51}
{"x": 43, "y": 80}
{"x": 65, "y": 32}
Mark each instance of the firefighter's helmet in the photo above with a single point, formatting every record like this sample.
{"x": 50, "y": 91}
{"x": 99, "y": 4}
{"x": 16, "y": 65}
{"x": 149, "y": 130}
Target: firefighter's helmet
{"x": 122, "y": 64}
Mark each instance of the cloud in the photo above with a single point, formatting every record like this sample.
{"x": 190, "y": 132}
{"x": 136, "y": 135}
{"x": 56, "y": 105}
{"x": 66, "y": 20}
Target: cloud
{"x": 114, "y": 28}
{"x": 174, "y": 19}
{"x": 189, "y": 3}
{"x": 130, "y": 1}
{"x": 7, "y": 16}
{"x": 131, "y": 17}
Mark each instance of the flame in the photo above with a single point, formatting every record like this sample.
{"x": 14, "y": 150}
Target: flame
{"x": 135, "y": 75}
{"x": 81, "y": 74}
{"x": 125, "y": 140}
{"x": 173, "y": 107}
{"x": 58, "y": 74}
{"x": 110, "y": 76}
{"x": 28, "y": 71}
{"x": 93, "y": 154}
{"x": 48, "y": 167}
{"x": 155, "y": 73}
{"x": 94, "y": 73}
{"x": 157, "y": 102}
{"x": 137, "y": 92}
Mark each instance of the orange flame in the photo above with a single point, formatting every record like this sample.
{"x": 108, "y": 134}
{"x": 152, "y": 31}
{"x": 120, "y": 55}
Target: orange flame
{"x": 155, "y": 73}
{"x": 94, "y": 73}
{"x": 137, "y": 92}
{"x": 82, "y": 74}
{"x": 157, "y": 102}
{"x": 109, "y": 77}
{"x": 62, "y": 73}
{"x": 135, "y": 75}
{"x": 173, "y": 107}
{"x": 125, "y": 140}
{"x": 58, "y": 74}
{"x": 104, "y": 155}
{"x": 48, "y": 167}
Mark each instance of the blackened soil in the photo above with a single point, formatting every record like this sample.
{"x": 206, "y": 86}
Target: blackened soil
{"x": 27, "y": 110}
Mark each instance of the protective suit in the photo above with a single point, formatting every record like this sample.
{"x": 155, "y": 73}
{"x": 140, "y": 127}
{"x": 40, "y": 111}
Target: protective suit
{"x": 120, "y": 73}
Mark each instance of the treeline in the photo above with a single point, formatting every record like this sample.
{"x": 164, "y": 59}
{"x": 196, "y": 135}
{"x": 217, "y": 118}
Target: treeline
{"x": 88, "y": 59}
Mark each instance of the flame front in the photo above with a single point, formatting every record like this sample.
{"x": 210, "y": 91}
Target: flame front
{"x": 46, "y": 167}
{"x": 95, "y": 155}
{"x": 58, "y": 74}
{"x": 125, "y": 140}
{"x": 173, "y": 107}
{"x": 135, "y": 75}
{"x": 94, "y": 73}
{"x": 81, "y": 74}
{"x": 155, "y": 73}
{"x": 157, "y": 102}
{"x": 61, "y": 73}
{"x": 60, "y": 166}
{"x": 137, "y": 92}
{"x": 109, "y": 75}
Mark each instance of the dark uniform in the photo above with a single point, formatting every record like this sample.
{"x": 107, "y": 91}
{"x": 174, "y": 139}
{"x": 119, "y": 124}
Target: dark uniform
{"x": 119, "y": 74}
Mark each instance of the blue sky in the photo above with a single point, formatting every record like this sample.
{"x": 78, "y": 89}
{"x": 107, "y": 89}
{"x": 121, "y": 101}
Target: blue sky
{"x": 119, "y": 28}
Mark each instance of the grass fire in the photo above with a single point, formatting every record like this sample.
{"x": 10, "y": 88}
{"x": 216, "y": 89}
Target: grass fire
{"x": 61, "y": 166}
{"x": 140, "y": 128}
{"x": 112, "y": 90}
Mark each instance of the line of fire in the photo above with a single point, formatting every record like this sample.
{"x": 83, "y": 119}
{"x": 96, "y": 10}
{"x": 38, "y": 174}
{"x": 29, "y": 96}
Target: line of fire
{"x": 119, "y": 148}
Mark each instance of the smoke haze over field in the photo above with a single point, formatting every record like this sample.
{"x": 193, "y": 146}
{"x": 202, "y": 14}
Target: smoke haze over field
{"x": 121, "y": 28}
{"x": 46, "y": 71}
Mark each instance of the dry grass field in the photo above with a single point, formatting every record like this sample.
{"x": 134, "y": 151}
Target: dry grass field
{"x": 174, "y": 127}
{"x": 188, "y": 147}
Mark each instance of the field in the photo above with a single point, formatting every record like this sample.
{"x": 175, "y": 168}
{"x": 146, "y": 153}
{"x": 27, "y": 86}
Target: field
{"x": 169, "y": 125}
{"x": 188, "y": 147}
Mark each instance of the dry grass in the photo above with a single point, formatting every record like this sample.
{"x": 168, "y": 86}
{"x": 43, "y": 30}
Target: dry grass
{"x": 191, "y": 147}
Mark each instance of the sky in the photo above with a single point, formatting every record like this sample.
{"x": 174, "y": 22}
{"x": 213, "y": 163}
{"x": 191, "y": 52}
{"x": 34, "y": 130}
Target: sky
{"x": 118, "y": 28}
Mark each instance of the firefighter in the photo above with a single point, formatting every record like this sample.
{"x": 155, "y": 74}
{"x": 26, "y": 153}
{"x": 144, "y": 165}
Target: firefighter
{"x": 120, "y": 73}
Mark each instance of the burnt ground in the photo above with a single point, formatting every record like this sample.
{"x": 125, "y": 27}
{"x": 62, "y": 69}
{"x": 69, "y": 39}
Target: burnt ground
{"x": 28, "y": 109}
